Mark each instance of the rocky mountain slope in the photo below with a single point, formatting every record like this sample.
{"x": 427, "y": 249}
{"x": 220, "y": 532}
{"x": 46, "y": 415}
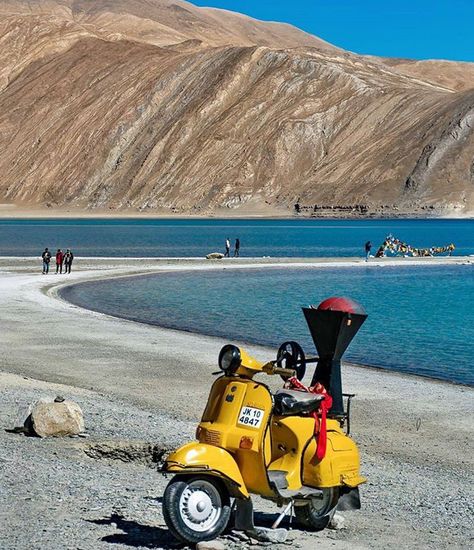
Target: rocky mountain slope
{"x": 156, "y": 105}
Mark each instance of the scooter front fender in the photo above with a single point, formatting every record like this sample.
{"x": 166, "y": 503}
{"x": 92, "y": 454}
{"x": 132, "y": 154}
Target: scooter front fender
{"x": 206, "y": 459}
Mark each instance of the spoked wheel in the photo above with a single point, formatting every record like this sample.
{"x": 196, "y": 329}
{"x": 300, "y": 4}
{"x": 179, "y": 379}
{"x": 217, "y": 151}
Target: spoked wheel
{"x": 196, "y": 508}
{"x": 318, "y": 512}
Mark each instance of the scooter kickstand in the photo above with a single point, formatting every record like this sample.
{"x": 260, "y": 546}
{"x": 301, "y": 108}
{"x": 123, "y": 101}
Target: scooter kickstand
{"x": 289, "y": 508}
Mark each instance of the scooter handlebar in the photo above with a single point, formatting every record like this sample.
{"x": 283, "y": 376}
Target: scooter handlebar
{"x": 284, "y": 372}
{"x": 271, "y": 368}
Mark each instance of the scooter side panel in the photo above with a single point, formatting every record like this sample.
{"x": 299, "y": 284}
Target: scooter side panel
{"x": 339, "y": 467}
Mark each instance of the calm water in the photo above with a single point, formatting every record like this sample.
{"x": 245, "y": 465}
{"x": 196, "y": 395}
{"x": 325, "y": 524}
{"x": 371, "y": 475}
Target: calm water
{"x": 421, "y": 320}
{"x": 166, "y": 237}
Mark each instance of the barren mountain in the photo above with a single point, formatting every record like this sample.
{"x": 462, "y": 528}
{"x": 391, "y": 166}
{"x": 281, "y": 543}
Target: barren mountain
{"x": 456, "y": 76}
{"x": 159, "y": 105}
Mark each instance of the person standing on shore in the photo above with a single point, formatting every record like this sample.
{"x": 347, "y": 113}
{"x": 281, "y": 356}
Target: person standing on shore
{"x": 68, "y": 258}
{"x": 46, "y": 259}
{"x": 227, "y": 248}
{"x": 59, "y": 261}
{"x": 237, "y": 248}
{"x": 368, "y": 248}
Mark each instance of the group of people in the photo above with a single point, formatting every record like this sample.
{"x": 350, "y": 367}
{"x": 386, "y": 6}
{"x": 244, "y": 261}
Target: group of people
{"x": 236, "y": 248}
{"x": 62, "y": 259}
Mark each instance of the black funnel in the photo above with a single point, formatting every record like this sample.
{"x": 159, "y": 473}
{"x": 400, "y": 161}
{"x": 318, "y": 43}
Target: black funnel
{"x": 333, "y": 325}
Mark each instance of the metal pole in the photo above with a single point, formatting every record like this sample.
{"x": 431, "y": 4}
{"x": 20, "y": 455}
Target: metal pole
{"x": 282, "y": 515}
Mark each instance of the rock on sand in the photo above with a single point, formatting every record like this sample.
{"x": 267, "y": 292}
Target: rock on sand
{"x": 53, "y": 418}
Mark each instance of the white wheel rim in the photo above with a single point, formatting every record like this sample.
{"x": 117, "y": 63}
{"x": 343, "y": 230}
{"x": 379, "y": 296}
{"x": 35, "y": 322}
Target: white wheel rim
{"x": 322, "y": 506}
{"x": 200, "y": 506}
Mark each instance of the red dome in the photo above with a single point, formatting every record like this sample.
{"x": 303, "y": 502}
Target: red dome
{"x": 340, "y": 303}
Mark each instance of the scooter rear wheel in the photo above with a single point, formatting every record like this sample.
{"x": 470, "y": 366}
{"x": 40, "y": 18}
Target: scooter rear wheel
{"x": 317, "y": 513}
{"x": 196, "y": 508}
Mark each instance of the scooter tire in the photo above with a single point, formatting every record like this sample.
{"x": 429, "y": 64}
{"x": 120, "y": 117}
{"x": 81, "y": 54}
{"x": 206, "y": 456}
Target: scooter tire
{"x": 316, "y": 519}
{"x": 171, "y": 509}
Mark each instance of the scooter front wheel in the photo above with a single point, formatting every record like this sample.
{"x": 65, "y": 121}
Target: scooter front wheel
{"x": 317, "y": 513}
{"x": 196, "y": 508}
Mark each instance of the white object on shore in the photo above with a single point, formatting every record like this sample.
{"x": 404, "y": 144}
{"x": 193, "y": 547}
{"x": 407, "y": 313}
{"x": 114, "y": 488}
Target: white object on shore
{"x": 210, "y": 545}
{"x": 337, "y": 522}
{"x": 53, "y": 418}
{"x": 265, "y": 534}
{"x": 215, "y": 256}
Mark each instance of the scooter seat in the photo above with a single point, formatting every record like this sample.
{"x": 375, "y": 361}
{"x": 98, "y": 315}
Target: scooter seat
{"x": 294, "y": 402}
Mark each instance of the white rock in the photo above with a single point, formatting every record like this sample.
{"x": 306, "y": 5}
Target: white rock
{"x": 265, "y": 534}
{"x": 210, "y": 545}
{"x": 52, "y": 419}
{"x": 337, "y": 522}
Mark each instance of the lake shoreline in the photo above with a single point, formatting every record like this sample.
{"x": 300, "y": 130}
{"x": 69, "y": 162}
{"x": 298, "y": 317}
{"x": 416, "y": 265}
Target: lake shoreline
{"x": 91, "y": 269}
{"x": 63, "y": 292}
{"x": 243, "y": 262}
{"x": 110, "y": 268}
{"x": 271, "y": 213}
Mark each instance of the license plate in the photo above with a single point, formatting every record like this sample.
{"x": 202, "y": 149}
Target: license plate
{"x": 251, "y": 417}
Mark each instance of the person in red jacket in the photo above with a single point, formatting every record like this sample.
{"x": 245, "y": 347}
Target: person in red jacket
{"x": 59, "y": 261}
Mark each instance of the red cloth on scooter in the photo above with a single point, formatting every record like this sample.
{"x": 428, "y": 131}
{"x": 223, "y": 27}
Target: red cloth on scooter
{"x": 320, "y": 432}
{"x": 326, "y": 404}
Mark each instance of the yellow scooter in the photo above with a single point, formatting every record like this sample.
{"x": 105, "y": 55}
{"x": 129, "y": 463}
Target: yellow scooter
{"x": 288, "y": 446}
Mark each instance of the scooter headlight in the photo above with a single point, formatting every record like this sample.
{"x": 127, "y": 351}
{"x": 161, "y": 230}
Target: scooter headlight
{"x": 229, "y": 359}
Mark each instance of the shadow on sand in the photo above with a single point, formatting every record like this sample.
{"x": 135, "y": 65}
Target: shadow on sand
{"x": 135, "y": 534}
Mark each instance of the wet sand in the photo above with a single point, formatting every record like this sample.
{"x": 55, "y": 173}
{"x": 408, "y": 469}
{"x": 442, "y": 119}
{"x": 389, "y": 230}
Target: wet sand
{"x": 415, "y": 434}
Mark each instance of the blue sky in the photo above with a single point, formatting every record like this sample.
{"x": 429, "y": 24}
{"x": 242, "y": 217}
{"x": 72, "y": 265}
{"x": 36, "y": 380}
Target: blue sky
{"x": 419, "y": 29}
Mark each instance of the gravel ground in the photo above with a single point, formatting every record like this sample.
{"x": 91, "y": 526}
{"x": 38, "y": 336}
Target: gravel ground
{"x": 104, "y": 491}
{"x": 142, "y": 390}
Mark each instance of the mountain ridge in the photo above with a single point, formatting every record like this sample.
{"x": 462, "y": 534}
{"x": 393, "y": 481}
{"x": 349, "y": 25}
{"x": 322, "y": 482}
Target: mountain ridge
{"x": 103, "y": 108}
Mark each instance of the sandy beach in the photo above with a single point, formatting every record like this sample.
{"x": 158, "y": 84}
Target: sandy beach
{"x": 143, "y": 387}
{"x": 251, "y": 210}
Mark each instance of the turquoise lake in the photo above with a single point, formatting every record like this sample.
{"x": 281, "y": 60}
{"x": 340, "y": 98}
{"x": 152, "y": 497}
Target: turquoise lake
{"x": 421, "y": 319}
{"x": 174, "y": 237}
